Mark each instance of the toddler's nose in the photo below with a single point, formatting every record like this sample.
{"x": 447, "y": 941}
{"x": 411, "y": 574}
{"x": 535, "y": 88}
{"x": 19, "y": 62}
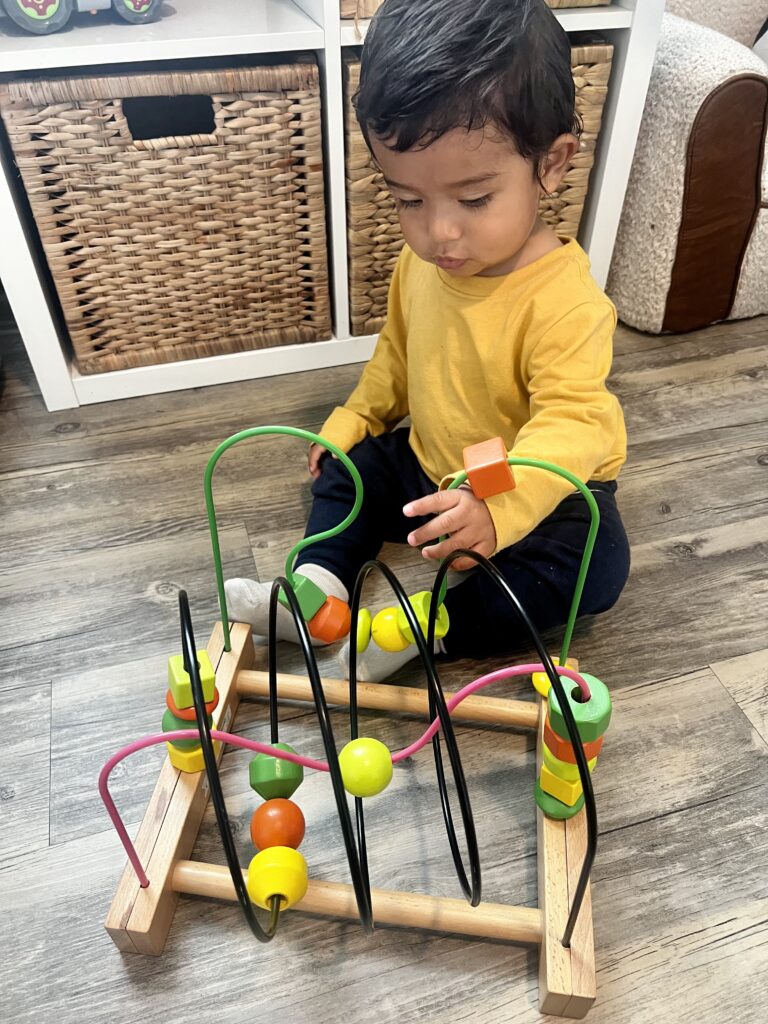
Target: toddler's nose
{"x": 444, "y": 230}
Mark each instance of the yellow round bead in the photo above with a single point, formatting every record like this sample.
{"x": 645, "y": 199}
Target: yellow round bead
{"x": 363, "y": 630}
{"x": 366, "y": 766}
{"x": 277, "y": 871}
{"x": 386, "y": 632}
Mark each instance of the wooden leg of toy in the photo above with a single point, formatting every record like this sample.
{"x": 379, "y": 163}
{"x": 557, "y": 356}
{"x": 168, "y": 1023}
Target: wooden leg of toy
{"x": 405, "y": 700}
{"x": 583, "y": 979}
{"x": 139, "y": 919}
{"x": 408, "y": 910}
{"x": 566, "y": 976}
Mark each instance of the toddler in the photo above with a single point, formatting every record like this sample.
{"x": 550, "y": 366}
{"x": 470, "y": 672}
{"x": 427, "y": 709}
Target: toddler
{"x": 494, "y": 327}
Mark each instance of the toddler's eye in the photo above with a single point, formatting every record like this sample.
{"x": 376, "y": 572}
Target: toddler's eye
{"x": 407, "y": 204}
{"x": 475, "y": 204}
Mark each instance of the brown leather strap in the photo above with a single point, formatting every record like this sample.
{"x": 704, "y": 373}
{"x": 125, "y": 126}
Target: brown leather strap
{"x": 721, "y": 202}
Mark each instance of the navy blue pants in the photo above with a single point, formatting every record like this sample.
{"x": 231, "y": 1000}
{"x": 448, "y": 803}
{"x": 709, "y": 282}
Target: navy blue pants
{"x": 541, "y": 568}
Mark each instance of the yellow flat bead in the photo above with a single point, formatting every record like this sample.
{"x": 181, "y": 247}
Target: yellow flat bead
{"x": 541, "y": 681}
{"x": 562, "y": 769}
{"x": 566, "y": 792}
{"x": 363, "y": 630}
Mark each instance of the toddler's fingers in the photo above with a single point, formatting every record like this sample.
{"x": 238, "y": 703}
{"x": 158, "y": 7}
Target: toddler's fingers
{"x": 446, "y": 522}
{"x": 433, "y": 504}
{"x": 460, "y": 539}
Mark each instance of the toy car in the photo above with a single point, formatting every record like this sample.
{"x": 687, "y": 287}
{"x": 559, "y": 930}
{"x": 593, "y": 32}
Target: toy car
{"x": 45, "y": 16}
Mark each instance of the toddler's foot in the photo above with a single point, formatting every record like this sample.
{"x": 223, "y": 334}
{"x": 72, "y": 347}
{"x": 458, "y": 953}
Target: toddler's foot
{"x": 248, "y": 601}
{"x": 374, "y": 664}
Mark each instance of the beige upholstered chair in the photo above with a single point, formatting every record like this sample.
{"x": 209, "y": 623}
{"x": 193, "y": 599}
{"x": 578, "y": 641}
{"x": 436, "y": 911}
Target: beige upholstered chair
{"x": 692, "y": 246}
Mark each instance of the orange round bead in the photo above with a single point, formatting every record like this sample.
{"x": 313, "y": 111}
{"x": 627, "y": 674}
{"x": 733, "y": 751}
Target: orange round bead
{"x": 332, "y": 622}
{"x": 277, "y": 822}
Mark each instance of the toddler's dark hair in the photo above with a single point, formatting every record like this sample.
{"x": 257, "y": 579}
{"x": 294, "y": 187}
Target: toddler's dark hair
{"x": 429, "y": 66}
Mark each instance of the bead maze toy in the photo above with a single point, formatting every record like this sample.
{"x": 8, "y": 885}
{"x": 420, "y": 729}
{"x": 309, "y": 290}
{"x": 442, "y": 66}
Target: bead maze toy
{"x": 570, "y": 714}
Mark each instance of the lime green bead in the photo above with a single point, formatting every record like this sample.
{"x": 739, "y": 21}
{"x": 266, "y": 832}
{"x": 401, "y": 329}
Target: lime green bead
{"x": 563, "y": 769}
{"x": 273, "y": 777}
{"x": 277, "y": 871}
{"x": 592, "y": 716}
{"x": 386, "y": 632}
{"x": 420, "y": 603}
{"x": 310, "y": 597}
{"x": 553, "y": 808}
{"x": 171, "y": 723}
{"x": 363, "y": 630}
{"x": 366, "y": 766}
{"x": 180, "y": 684}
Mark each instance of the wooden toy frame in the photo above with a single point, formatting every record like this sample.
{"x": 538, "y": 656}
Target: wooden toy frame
{"x": 139, "y": 919}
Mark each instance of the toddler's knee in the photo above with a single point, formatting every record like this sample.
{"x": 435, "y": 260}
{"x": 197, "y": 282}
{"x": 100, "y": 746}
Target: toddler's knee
{"x": 604, "y": 590}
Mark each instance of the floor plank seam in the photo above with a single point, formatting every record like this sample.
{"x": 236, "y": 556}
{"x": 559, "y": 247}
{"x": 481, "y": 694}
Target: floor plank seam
{"x": 752, "y": 726}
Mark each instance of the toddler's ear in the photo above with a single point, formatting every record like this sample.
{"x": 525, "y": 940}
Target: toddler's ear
{"x": 555, "y": 163}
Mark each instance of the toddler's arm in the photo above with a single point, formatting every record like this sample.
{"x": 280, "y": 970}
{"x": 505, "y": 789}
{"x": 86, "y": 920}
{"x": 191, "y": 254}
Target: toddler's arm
{"x": 380, "y": 399}
{"x": 575, "y": 421}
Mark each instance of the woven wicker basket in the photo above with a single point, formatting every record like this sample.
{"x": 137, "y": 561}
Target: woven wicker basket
{"x": 185, "y": 245}
{"x": 373, "y": 226}
{"x": 367, "y": 8}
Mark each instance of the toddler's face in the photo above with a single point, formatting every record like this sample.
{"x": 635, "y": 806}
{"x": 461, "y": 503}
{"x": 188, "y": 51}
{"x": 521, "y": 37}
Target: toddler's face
{"x": 469, "y": 202}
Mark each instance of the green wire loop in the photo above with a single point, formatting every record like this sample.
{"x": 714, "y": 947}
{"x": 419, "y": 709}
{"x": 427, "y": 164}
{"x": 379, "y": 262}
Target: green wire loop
{"x": 306, "y": 435}
{"x": 594, "y": 525}
{"x": 460, "y": 478}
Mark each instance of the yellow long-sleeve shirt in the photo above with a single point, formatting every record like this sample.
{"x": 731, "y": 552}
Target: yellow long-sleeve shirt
{"x": 524, "y": 356}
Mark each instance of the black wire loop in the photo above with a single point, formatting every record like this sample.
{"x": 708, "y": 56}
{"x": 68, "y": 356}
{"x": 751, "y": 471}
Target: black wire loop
{"x": 191, "y": 666}
{"x": 437, "y": 709}
{"x": 355, "y": 845}
{"x": 356, "y": 851}
{"x": 570, "y": 722}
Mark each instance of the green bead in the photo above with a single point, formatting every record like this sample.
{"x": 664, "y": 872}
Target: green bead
{"x": 310, "y": 597}
{"x": 180, "y": 684}
{"x": 420, "y": 603}
{"x": 592, "y": 717}
{"x": 273, "y": 777}
{"x": 171, "y": 723}
{"x": 553, "y": 808}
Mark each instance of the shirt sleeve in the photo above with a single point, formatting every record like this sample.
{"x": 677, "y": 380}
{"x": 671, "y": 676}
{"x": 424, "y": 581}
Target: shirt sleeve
{"x": 380, "y": 400}
{"x": 574, "y": 419}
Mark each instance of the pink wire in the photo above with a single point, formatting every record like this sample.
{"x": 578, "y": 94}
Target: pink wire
{"x": 307, "y": 762}
{"x": 478, "y": 684}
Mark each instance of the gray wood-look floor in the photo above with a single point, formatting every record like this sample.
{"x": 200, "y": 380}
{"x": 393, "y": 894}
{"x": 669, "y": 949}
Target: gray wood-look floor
{"x": 103, "y": 522}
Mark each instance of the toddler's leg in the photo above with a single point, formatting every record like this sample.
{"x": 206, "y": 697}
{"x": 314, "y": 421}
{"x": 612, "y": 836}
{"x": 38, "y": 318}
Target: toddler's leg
{"x": 542, "y": 570}
{"x": 391, "y": 476}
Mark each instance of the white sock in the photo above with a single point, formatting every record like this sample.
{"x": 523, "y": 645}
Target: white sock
{"x": 374, "y": 664}
{"x": 248, "y": 601}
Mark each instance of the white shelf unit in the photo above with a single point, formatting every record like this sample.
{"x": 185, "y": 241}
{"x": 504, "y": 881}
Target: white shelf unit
{"x": 215, "y": 28}
{"x": 573, "y": 19}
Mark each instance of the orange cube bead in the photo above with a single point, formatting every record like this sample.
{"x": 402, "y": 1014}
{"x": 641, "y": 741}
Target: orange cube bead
{"x": 487, "y": 469}
{"x": 331, "y": 622}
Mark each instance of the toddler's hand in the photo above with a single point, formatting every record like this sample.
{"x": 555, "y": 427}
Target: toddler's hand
{"x": 316, "y": 452}
{"x": 459, "y": 514}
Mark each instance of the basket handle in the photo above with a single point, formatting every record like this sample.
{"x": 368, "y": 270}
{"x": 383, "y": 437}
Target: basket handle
{"x": 170, "y": 122}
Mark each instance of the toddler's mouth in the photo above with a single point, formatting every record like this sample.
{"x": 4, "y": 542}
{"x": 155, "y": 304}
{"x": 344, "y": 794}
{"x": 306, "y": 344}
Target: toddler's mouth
{"x": 446, "y": 263}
